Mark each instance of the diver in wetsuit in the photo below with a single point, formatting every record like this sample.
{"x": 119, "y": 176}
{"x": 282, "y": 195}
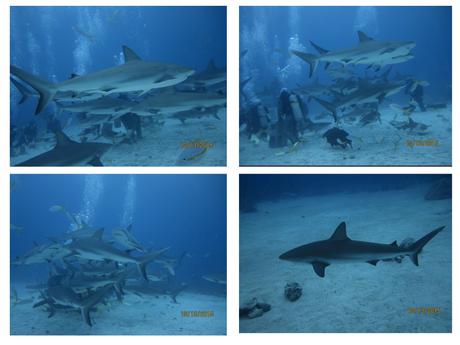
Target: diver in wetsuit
{"x": 292, "y": 116}
{"x": 53, "y": 125}
{"x": 133, "y": 122}
{"x": 416, "y": 91}
{"x": 257, "y": 119}
{"x": 30, "y": 133}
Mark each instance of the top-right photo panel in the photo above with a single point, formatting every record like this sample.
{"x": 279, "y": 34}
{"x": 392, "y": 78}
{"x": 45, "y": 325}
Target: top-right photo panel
{"x": 338, "y": 86}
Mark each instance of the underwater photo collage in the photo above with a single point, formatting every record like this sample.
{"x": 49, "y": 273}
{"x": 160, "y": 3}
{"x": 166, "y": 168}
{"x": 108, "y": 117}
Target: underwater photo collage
{"x": 131, "y": 198}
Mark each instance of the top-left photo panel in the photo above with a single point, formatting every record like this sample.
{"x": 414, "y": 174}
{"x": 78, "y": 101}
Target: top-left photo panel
{"x": 118, "y": 86}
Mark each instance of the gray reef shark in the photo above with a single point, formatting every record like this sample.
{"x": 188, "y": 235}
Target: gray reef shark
{"x": 93, "y": 248}
{"x": 367, "y": 52}
{"x": 171, "y": 103}
{"x": 68, "y": 152}
{"x": 135, "y": 75}
{"x": 126, "y": 238}
{"x": 339, "y": 248}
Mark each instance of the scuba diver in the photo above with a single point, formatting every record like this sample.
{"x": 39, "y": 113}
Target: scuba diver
{"x": 30, "y": 132}
{"x": 292, "y": 119}
{"x": 133, "y": 122}
{"x": 256, "y": 117}
{"x": 53, "y": 125}
{"x": 415, "y": 89}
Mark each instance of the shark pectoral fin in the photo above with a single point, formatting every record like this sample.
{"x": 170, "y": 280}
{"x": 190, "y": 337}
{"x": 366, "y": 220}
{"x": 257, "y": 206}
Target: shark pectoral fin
{"x": 95, "y": 162}
{"x": 373, "y": 262}
{"x": 85, "y": 316}
{"x": 414, "y": 258}
{"x": 319, "y": 268}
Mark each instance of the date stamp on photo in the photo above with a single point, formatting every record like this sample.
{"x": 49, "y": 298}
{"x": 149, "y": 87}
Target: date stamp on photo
{"x": 424, "y": 310}
{"x": 429, "y": 142}
{"x": 197, "y": 313}
{"x": 198, "y": 144}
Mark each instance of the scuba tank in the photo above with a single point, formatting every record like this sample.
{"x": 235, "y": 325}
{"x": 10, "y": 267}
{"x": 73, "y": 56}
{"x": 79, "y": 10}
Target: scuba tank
{"x": 295, "y": 107}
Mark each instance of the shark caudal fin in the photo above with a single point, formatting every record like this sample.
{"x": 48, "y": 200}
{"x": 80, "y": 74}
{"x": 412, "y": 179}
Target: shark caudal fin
{"x": 144, "y": 261}
{"x": 417, "y": 247}
{"x": 311, "y": 59}
{"x": 45, "y": 89}
{"x": 25, "y": 92}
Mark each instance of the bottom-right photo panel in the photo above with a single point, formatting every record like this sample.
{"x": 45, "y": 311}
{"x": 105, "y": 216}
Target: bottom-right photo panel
{"x": 345, "y": 253}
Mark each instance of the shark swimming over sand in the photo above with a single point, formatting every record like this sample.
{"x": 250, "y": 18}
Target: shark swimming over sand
{"x": 135, "y": 75}
{"x": 171, "y": 103}
{"x": 68, "y": 153}
{"x": 339, "y": 248}
{"x": 367, "y": 52}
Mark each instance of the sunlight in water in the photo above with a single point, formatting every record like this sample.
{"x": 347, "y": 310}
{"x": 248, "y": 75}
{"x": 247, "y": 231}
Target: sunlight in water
{"x": 366, "y": 20}
{"x": 92, "y": 192}
{"x": 128, "y": 207}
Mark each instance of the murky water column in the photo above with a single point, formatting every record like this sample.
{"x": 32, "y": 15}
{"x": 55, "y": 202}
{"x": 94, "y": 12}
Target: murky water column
{"x": 366, "y": 20}
{"x": 92, "y": 192}
{"x": 130, "y": 200}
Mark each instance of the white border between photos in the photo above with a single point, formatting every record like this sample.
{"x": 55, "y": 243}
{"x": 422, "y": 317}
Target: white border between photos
{"x": 232, "y": 170}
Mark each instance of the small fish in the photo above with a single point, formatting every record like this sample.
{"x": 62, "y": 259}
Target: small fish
{"x": 190, "y": 155}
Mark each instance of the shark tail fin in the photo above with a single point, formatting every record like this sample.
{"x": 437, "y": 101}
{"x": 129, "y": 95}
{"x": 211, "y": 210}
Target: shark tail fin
{"x": 311, "y": 59}
{"x": 45, "y": 89}
{"x": 417, "y": 247}
{"x": 144, "y": 261}
{"x": 25, "y": 93}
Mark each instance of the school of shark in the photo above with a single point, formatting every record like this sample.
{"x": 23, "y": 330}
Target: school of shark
{"x": 90, "y": 268}
{"x": 353, "y": 103}
{"x": 113, "y": 107}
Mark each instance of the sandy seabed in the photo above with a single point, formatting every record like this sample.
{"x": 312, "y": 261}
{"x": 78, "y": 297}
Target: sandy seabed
{"x": 135, "y": 316}
{"x": 160, "y": 146}
{"x": 374, "y": 144}
{"x": 351, "y": 297}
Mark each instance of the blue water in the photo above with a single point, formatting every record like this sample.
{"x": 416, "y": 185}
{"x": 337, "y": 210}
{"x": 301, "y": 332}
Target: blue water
{"x": 268, "y": 32}
{"x": 54, "y": 42}
{"x": 184, "y": 212}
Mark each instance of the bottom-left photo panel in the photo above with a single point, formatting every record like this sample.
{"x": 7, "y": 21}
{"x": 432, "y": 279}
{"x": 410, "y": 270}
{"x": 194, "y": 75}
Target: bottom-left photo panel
{"x": 118, "y": 254}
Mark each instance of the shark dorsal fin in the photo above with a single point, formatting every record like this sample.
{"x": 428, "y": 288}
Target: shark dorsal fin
{"x": 363, "y": 37}
{"x": 394, "y": 244}
{"x": 340, "y": 233}
{"x": 62, "y": 139}
{"x": 211, "y": 66}
{"x": 130, "y": 55}
{"x": 98, "y": 234}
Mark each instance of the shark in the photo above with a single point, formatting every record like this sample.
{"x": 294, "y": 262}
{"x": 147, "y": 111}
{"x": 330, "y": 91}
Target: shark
{"x": 61, "y": 97}
{"x": 59, "y": 296}
{"x": 366, "y": 93}
{"x": 211, "y": 76}
{"x": 42, "y": 254}
{"x": 67, "y": 152}
{"x": 216, "y": 278}
{"x": 94, "y": 248}
{"x": 197, "y": 114}
{"x": 135, "y": 75}
{"x": 106, "y": 105}
{"x": 367, "y": 52}
{"x": 126, "y": 238}
{"x": 171, "y": 103}
{"x": 339, "y": 248}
